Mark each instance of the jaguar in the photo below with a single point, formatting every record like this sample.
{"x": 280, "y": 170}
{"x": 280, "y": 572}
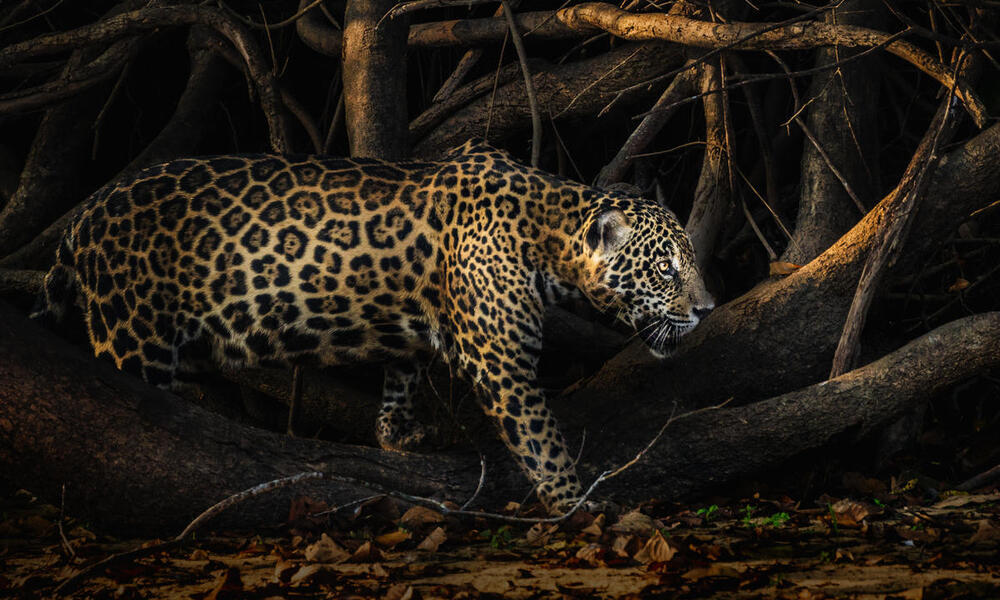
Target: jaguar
{"x": 256, "y": 260}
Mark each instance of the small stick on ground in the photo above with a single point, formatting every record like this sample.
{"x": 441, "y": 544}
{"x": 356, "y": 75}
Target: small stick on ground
{"x": 71, "y": 584}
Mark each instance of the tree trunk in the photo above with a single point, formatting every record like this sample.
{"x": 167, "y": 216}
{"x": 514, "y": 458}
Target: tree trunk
{"x": 374, "y": 73}
{"x": 842, "y": 119}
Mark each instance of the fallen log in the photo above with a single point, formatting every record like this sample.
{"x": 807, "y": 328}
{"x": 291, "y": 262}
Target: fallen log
{"x": 138, "y": 460}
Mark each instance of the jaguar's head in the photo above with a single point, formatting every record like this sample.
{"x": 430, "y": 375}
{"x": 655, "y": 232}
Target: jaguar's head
{"x": 641, "y": 267}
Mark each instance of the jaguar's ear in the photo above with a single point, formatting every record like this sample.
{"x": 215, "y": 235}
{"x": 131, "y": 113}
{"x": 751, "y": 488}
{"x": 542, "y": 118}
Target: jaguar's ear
{"x": 609, "y": 232}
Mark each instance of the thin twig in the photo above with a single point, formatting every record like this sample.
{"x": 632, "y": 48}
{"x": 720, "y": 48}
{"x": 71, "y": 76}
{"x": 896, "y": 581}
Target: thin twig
{"x": 70, "y": 584}
{"x": 815, "y": 142}
{"x": 479, "y": 486}
{"x": 62, "y": 533}
{"x": 529, "y": 85}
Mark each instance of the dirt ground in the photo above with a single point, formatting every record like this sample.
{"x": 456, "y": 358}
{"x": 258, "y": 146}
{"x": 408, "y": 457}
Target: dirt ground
{"x": 885, "y": 540}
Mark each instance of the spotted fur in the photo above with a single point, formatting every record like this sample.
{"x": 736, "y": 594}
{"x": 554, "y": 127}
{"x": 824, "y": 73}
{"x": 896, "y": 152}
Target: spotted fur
{"x": 260, "y": 260}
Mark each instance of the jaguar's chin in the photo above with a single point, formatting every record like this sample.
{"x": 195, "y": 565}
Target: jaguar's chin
{"x": 662, "y": 337}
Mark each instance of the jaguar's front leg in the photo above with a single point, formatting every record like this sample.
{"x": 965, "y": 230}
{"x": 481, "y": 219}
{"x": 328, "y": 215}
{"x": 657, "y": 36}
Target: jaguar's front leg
{"x": 530, "y": 430}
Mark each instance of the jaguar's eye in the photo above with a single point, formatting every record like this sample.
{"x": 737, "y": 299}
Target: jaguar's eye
{"x": 665, "y": 268}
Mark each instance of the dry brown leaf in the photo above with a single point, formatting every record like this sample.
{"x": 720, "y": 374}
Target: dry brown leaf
{"x": 304, "y": 573}
{"x": 540, "y": 533}
{"x": 783, "y": 268}
{"x": 987, "y": 532}
{"x": 433, "y": 540}
{"x": 959, "y": 285}
{"x": 378, "y": 571}
{"x": 283, "y": 570}
{"x": 850, "y": 513}
{"x": 418, "y": 516}
{"x": 634, "y": 522}
{"x": 656, "y": 550}
{"x": 326, "y": 551}
{"x": 388, "y": 540}
{"x": 366, "y": 553}
{"x": 400, "y": 591}
{"x": 625, "y": 545}
{"x": 592, "y": 554}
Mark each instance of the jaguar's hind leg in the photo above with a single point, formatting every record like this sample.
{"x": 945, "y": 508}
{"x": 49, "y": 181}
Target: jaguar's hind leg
{"x": 396, "y": 428}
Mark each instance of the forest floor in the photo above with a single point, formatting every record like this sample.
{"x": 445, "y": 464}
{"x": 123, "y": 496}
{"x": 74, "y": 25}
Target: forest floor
{"x": 883, "y": 540}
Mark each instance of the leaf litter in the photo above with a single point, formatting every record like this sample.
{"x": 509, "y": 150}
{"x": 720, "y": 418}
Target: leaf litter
{"x": 871, "y": 544}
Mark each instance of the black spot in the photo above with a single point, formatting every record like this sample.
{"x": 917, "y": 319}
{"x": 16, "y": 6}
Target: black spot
{"x": 209, "y": 202}
{"x": 124, "y": 343}
{"x": 260, "y": 344}
{"x": 208, "y": 244}
{"x": 291, "y": 243}
{"x": 235, "y": 183}
{"x": 377, "y": 193}
{"x": 318, "y": 323}
{"x": 333, "y": 180}
{"x": 306, "y": 207}
{"x": 378, "y": 237}
{"x": 195, "y": 179}
{"x": 358, "y": 263}
{"x": 329, "y": 305}
{"x": 255, "y": 197}
{"x": 234, "y": 220}
{"x": 350, "y": 338}
{"x": 273, "y": 213}
{"x": 262, "y": 169}
{"x": 344, "y": 234}
{"x": 217, "y": 326}
{"x": 295, "y": 341}
{"x": 150, "y": 190}
{"x": 280, "y": 185}
{"x": 224, "y": 164}
{"x": 233, "y": 352}
{"x": 97, "y": 330}
{"x": 510, "y": 427}
{"x": 306, "y": 174}
{"x": 255, "y": 238}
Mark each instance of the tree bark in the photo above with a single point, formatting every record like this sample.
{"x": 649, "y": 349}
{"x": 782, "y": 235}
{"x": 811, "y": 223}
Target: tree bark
{"x": 139, "y": 461}
{"x": 564, "y": 91}
{"x": 842, "y": 117}
{"x": 374, "y": 58}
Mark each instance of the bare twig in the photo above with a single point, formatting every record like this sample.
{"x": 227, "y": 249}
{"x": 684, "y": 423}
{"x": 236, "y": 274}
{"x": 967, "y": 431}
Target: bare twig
{"x": 812, "y": 138}
{"x": 147, "y": 19}
{"x": 646, "y": 130}
{"x": 529, "y": 86}
{"x": 62, "y": 516}
{"x": 272, "y": 26}
{"x": 70, "y": 584}
{"x": 479, "y": 486}
{"x": 910, "y": 190}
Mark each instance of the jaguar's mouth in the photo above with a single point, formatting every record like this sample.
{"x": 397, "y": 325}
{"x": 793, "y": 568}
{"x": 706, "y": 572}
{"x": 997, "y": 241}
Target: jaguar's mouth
{"x": 663, "y": 335}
